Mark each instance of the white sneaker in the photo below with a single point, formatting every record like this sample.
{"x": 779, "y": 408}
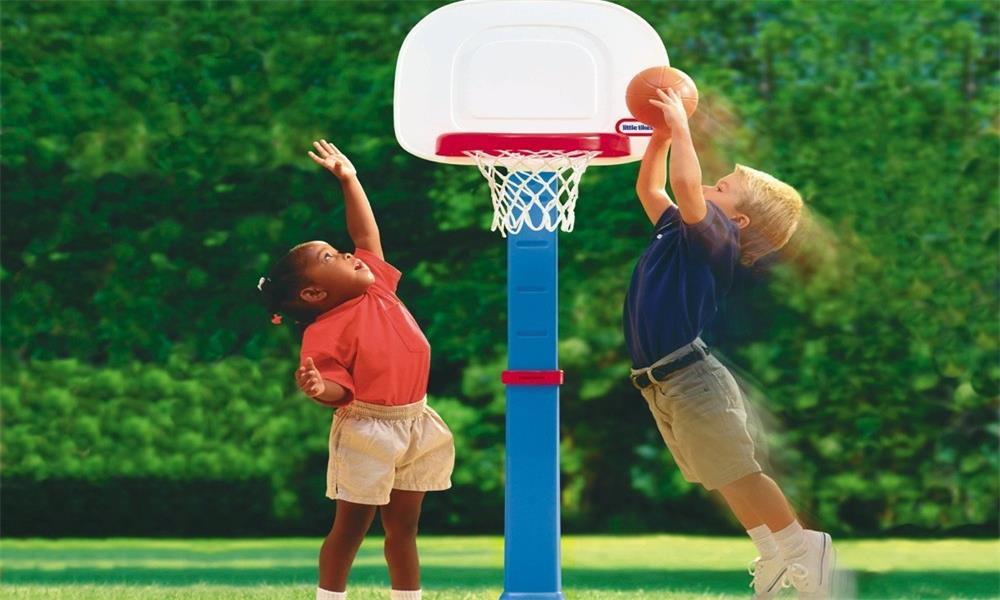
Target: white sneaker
{"x": 812, "y": 572}
{"x": 768, "y": 577}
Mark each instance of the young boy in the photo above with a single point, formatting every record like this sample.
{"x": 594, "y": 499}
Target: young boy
{"x": 673, "y": 295}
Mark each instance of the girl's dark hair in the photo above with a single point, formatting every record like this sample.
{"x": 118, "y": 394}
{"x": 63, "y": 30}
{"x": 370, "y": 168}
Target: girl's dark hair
{"x": 280, "y": 289}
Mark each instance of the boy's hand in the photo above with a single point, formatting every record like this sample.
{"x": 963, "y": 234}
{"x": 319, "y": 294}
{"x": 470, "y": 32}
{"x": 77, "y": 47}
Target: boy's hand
{"x": 673, "y": 109}
{"x": 660, "y": 136}
{"x": 333, "y": 160}
{"x": 309, "y": 379}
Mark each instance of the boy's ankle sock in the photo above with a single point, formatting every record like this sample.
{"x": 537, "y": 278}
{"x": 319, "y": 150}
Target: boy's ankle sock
{"x": 322, "y": 594}
{"x": 404, "y": 595}
{"x": 764, "y": 540}
{"x": 790, "y": 541}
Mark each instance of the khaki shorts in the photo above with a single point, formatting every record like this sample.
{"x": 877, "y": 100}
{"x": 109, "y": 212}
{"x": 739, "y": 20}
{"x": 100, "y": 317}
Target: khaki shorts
{"x": 375, "y": 449}
{"x": 700, "y": 413}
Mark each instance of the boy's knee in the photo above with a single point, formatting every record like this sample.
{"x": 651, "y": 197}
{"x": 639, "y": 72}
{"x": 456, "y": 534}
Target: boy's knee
{"x": 743, "y": 484}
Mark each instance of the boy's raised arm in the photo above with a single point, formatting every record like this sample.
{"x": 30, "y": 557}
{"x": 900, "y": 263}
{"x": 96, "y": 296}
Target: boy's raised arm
{"x": 651, "y": 184}
{"x": 685, "y": 170}
{"x": 361, "y": 225}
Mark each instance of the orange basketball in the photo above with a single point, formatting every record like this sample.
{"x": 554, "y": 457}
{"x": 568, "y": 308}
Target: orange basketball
{"x": 643, "y": 87}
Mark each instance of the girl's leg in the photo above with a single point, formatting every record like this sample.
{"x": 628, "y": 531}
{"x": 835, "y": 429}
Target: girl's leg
{"x": 756, "y": 499}
{"x": 399, "y": 519}
{"x": 336, "y": 556}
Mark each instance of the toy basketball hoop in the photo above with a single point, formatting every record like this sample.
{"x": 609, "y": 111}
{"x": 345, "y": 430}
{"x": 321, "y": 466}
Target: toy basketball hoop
{"x": 534, "y": 179}
{"x": 508, "y": 86}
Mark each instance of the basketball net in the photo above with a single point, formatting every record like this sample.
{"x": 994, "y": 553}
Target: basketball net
{"x": 534, "y": 189}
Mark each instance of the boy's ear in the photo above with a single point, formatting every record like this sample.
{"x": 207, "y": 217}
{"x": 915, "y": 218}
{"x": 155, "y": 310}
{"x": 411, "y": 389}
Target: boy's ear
{"x": 312, "y": 294}
{"x": 742, "y": 221}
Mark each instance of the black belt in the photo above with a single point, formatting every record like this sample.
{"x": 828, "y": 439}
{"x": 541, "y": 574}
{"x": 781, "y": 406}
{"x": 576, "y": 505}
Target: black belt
{"x": 643, "y": 381}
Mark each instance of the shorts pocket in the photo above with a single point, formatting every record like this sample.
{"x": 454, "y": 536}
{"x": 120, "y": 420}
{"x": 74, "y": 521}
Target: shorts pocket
{"x": 727, "y": 386}
{"x": 656, "y": 402}
{"x": 687, "y": 382}
{"x": 701, "y": 399}
{"x": 438, "y": 424}
{"x": 335, "y": 460}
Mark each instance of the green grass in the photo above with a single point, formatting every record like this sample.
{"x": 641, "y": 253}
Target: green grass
{"x": 460, "y": 568}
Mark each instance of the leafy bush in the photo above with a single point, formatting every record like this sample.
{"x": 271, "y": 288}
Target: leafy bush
{"x": 153, "y": 167}
{"x": 176, "y": 428}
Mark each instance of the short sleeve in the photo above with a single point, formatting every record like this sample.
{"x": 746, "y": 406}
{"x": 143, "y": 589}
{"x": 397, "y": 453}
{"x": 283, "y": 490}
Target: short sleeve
{"x": 669, "y": 216}
{"x": 332, "y": 367}
{"x": 333, "y": 370}
{"x": 714, "y": 239}
{"x": 386, "y": 275}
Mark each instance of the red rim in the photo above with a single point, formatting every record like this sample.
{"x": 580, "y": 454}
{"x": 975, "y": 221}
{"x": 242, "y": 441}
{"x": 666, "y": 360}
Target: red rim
{"x": 609, "y": 145}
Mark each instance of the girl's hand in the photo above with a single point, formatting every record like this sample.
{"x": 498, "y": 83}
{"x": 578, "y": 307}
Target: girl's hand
{"x": 309, "y": 379}
{"x": 333, "y": 160}
{"x": 673, "y": 109}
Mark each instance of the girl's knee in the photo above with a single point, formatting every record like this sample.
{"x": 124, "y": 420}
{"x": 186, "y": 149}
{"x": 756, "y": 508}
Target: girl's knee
{"x": 402, "y": 529}
{"x": 352, "y": 523}
{"x": 396, "y": 540}
{"x": 401, "y": 516}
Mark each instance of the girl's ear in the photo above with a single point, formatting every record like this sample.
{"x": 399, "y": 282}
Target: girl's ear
{"x": 742, "y": 221}
{"x": 312, "y": 294}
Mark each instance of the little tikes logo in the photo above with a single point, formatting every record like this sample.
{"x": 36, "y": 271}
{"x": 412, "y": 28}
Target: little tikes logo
{"x": 633, "y": 128}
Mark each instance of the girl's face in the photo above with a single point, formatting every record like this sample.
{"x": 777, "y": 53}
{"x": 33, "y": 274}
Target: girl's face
{"x": 335, "y": 276}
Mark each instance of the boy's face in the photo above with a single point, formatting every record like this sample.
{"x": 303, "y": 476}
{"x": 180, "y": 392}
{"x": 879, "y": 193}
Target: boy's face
{"x": 335, "y": 276}
{"x": 726, "y": 194}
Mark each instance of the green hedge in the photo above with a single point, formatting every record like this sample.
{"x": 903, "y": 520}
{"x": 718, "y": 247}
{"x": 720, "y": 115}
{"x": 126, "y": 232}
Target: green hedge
{"x": 192, "y": 433}
{"x": 153, "y": 166}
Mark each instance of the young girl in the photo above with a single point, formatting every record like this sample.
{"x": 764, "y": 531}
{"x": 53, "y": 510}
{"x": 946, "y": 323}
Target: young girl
{"x": 363, "y": 353}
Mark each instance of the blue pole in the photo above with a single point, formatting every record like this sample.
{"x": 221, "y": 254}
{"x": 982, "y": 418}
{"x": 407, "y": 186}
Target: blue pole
{"x": 531, "y": 513}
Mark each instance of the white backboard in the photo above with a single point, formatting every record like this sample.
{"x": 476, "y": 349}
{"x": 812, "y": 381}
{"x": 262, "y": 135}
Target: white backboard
{"x": 521, "y": 66}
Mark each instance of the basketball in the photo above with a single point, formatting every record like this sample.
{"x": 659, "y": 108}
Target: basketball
{"x": 643, "y": 87}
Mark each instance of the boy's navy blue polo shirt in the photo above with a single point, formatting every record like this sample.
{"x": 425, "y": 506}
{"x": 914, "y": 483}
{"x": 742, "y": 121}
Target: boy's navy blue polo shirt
{"x": 677, "y": 283}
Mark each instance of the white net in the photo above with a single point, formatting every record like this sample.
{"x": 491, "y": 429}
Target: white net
{"x": 537, "y": 189}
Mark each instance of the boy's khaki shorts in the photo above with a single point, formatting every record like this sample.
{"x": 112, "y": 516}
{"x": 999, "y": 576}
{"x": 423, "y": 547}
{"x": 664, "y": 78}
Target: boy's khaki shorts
{"x": 375, "y": 449}
{"x": 700, "y": 413}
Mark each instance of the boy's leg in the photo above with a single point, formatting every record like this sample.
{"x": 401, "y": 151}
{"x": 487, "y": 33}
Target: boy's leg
{"x": 755, "y": 500}
{"x": 809, "y": 555}
{"x": 400, "y": 519}
{"x": 337, "y": 554}
{"x": 768, "y": 569}
{"x": 762, "y": 495}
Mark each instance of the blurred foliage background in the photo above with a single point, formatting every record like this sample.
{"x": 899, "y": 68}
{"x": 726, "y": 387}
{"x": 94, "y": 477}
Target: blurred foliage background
{"x": 154, "y": 165}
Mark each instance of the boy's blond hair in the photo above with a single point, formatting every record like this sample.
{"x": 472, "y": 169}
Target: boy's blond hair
{"x": 774, "y": 208}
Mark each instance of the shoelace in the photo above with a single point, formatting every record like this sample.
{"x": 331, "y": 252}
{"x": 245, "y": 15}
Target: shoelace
{"x": 795, "y": 571}
{"x": 752, "y": 569}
